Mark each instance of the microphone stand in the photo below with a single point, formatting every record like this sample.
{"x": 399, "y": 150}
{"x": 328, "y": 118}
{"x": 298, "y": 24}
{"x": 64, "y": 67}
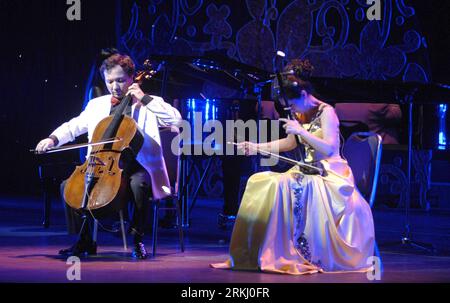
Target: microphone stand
{"x": 406, "y": 239}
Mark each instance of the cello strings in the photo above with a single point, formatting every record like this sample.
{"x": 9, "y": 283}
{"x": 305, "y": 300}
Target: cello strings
{"x": 90, "y": 170}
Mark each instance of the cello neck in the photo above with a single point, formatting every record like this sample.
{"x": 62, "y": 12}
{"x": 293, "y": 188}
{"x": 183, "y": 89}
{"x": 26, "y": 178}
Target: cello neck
{"x": 117, "y": 118}
{"x": 122, "y": 105}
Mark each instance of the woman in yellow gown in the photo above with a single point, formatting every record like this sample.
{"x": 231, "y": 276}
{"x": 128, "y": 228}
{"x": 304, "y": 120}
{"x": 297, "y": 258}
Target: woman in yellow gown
{"x": 296, "y": 223}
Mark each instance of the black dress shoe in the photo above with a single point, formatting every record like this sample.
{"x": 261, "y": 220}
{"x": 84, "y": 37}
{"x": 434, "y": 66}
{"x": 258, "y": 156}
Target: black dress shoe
{"x": 80, "y": 248}
{"x": 139, "y": 251}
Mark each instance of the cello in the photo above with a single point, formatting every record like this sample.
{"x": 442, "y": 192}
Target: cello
{"x": 98, "y": 185}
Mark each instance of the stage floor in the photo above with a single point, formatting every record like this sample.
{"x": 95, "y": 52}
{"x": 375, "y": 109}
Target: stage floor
{"x": 28, "y": 253}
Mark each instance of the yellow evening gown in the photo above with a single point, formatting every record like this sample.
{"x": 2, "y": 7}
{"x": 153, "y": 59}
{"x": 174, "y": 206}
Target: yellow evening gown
{"x": 296, "y": 223}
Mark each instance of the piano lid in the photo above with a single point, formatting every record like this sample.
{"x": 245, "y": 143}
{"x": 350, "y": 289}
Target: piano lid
{"x": 186, "y": 76}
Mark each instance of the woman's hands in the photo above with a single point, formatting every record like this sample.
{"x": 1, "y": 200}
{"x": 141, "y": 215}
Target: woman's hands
{"x": 249, "y": 148}
{"x": 292, "y": 127}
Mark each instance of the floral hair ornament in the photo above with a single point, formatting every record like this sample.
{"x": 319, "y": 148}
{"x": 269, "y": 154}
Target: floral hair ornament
{"x": 303, "y": 69}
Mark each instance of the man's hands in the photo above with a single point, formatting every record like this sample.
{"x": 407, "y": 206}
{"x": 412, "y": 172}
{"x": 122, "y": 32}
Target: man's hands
{"x": 44, "y": 145}
{"x": 135, "y": 91}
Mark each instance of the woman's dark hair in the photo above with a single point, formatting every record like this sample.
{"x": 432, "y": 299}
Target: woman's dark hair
{"x": 297, "y": 82}
{"x": 118, "y": 59}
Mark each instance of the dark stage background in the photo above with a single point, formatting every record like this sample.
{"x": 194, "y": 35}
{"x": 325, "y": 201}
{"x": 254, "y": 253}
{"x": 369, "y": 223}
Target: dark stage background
{"x": 46, "y": 59}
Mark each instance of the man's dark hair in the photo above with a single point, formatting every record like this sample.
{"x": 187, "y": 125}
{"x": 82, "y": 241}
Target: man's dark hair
{"x": 118, "y": 59}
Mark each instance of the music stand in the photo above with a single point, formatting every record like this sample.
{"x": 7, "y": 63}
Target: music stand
{"x": 216, "y": 69}
{"x": 258, "y": 91}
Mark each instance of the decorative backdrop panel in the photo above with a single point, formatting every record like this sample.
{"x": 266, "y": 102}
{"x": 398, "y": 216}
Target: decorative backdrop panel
{"x": 335, "y": 35}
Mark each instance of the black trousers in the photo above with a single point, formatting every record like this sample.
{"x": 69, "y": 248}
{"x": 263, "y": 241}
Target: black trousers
{"x": 139, "y": 192}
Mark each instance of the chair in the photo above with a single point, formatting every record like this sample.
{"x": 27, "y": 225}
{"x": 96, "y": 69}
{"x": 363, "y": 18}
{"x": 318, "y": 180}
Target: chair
{"x": 122, "y": 229}
{"x": 167, "y": 135}
{"x": 172, "y": 164}
{"x": 363, "y": 153}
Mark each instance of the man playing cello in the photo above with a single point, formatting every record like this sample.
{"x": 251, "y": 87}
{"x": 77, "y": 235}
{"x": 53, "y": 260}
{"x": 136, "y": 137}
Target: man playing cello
{"x": 146, "y": 173}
